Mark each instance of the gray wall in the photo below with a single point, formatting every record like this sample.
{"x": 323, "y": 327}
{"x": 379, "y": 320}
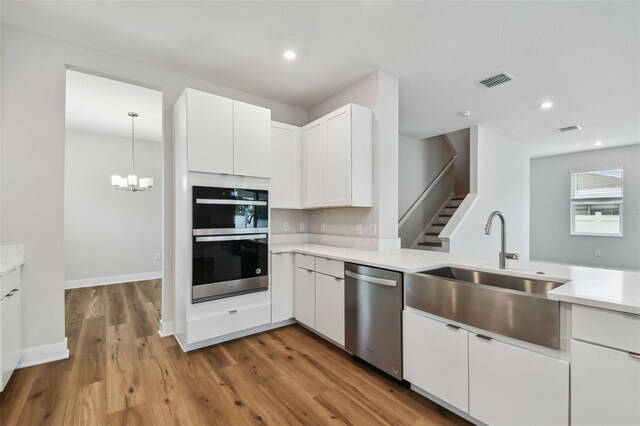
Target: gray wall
{"x": 107, "y": 232}
{"x": 551, "y": 239}
{"x": 420, "y": 162}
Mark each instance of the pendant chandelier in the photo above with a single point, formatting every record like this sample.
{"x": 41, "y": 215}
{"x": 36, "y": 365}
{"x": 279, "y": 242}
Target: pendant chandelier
{"x": 131, "y": 182}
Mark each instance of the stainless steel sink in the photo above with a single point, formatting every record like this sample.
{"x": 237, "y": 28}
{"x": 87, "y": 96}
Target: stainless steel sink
{"x": 511, "y": 306}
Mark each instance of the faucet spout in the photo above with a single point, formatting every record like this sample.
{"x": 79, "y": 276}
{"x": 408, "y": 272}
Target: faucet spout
{"x": 503, "y": 255}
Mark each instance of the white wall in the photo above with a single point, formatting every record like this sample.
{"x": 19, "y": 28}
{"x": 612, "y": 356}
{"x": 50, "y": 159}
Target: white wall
{"x": 293, "y": 217}
{"x": 551, "y": 238}
{"x": 378, "y": 91}
{"x": 500, "y": 176}
{"x": 33, "y": 133}
{"x": 109, "y": 233}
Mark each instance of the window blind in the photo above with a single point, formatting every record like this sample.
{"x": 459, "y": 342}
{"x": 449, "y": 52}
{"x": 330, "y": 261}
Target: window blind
{"x": 596, "y": 185}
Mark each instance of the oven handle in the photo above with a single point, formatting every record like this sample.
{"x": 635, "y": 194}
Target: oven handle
{"x": 230, "y": 238}
{"x": 230, "y": 202}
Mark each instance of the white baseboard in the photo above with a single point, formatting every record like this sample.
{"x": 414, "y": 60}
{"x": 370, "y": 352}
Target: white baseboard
{"x": 166, "y": 328}
{"x": 43, "y": 354}
{"x": 116, "y": 279}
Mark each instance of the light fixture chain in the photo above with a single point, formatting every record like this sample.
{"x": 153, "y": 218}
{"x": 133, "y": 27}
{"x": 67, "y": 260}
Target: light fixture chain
{"x": 133, "y": 149}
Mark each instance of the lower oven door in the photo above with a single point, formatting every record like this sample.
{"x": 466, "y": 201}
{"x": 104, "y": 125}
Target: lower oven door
{"x": 229, "y": 265}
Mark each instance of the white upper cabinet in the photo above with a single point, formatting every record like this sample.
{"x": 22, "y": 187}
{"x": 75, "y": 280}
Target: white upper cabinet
{"x": 251, "y": 140}
{"x": 226, "y": 136}
{"x": 210, "y": 132}
{"x": 286, "y": 166}
{"x": 313, "y": 160}
{"x": 338, "y": 159}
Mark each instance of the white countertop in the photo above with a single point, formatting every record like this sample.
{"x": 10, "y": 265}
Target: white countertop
{"x": 11, "y": 256}
{"x": 602, "y": 288}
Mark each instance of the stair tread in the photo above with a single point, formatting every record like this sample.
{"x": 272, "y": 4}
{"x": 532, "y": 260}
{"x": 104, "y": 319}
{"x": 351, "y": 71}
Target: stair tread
{"x": 445, "y": 215}
{"x": 438, "y": 224}
{"x": 430, "y": 244}
{"x": 457, "y": 198}
{"x": 434, "y": 234}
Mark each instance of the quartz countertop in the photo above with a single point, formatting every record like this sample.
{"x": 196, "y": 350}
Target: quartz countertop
{"x": 11, "y": 256}
{"x": 601, "y": 288}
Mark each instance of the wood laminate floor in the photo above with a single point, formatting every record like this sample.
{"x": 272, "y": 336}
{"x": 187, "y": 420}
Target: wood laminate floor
{"x": 121, "y": 372}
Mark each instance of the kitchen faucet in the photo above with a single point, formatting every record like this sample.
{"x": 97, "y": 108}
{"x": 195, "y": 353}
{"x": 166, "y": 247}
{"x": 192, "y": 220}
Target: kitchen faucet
{"x": 503, "y": 237}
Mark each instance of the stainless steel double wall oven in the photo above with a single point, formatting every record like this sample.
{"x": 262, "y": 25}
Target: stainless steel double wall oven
{"x": 230, "y": 242}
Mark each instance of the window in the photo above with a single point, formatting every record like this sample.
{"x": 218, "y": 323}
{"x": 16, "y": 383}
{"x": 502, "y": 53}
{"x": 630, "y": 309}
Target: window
{"x": 596, "y": 202}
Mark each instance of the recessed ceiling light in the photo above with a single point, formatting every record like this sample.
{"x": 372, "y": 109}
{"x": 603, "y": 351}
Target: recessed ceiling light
{"x": 289, "y": 54}
{"x": 546, "y": 105}
{"x": 598, "y": 143}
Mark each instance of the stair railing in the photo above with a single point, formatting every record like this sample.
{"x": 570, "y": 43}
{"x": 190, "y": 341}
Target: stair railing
{"x": 426, "y": 192}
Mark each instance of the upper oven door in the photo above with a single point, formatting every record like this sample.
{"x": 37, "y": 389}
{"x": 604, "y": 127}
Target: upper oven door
{"x": 229, "y": 211}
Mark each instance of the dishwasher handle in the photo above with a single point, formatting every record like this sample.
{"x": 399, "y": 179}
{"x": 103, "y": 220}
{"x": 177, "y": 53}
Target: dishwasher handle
{"x": 372, "y": 280}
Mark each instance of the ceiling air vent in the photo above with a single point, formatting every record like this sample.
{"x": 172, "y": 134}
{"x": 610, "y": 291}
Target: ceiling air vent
{"x": 496, "y": 80}
{"x": 569, "y": 128}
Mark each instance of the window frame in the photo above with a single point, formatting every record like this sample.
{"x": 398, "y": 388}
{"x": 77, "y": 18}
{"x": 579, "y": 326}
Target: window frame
{"x": 572, "y": 204}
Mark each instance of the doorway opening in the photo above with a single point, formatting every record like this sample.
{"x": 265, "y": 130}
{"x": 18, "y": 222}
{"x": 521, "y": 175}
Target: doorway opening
{"x": 113, "y": 206}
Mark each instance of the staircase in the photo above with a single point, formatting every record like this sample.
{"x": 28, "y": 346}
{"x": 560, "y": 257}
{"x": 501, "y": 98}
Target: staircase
{"x": 431, "y": 240}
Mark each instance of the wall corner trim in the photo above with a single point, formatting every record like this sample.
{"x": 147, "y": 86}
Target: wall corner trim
{"x": 44, "y": 354}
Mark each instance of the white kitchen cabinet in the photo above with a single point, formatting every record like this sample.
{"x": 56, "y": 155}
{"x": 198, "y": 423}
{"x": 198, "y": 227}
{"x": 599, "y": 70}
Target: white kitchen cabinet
{"x": 509, "y": 385}
{"x": 281, "y": 286}
{"x": 304, "y": 292}
{"x": 605, "y": 385}
{"x": 435, "y": 358}
{"x": 330, "y": 307}
{"x": 11, "y": 327}
{"x": 251, "y": 140}
{"x": 225, "y": 136}
{"x": 286, "y": 185}
{"x": 337, "y": 167}
{"x": 210, "y": 132}
{"x": 313, "y": 163}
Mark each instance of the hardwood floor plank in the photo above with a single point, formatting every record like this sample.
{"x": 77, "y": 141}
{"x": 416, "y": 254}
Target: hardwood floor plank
{"x": 122, "y": 372}
{"x": 124, "y": 385}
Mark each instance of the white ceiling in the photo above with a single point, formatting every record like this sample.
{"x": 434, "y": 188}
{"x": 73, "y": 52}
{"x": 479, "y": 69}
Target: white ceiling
{"x": 100, "y": 105}
{"x": 584, "y": 56}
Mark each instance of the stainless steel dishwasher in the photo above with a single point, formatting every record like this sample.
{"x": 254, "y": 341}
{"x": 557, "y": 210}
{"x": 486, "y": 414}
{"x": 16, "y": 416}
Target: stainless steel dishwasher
{"x": 373, "y": 317}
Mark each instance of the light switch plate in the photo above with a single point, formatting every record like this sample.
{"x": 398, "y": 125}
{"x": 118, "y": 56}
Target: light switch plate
{"x": 373, "y": 230}
{"x": 157, "y": 257}
{"x": 286, "y": 226}
{"x": 597, "y": 253}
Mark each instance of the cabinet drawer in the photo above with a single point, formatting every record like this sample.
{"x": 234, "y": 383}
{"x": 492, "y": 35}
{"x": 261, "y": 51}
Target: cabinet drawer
{"x": 609, "y": 328}
{"x": 306, "y": 261}
{"x": 10, "y": 281}
{"x": 335, "y": 268}
{"x": 228, "y": 322}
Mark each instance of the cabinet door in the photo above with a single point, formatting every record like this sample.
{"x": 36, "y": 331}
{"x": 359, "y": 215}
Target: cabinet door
{"x": 313, "y": 152}
{"x": 304, "y": 297}
{"x": 337, "y": 178}
{"x": 330, "y": 307}
{"x": 251, "y": 140}
{"x": 285, "y": 174}
{"x": 435, "y": 359}
{"x": 210, "y": 133}
{"x": 510, "y": 385}
{"x": 605, "y": 386}
{"x": 281, "y": 286}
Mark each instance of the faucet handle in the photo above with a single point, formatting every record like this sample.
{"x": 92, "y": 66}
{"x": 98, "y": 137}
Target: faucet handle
{"x": 512, "y": 256}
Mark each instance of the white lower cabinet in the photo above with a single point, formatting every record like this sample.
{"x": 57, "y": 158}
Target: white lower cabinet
{"x": 281, "y": 286}
{"x": 304, "y": 303}
{"x": 605, "y": 385}
{"x": 509, "y": 385}
{"x": 435, "y": 358}
{"x": 330, "y": 307}
{"x": 10, "y": 333}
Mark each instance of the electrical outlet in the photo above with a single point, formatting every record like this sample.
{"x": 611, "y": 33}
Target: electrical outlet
{"x": 286, "y": 226}
{"x": 322, "y": 227}
{"x": 597, "y": 253}
{"x": 359, "y": 229}
{"x": 157, "y": 256}
{"x": 373, "y": 229}
{"x": 301, "y": 227}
